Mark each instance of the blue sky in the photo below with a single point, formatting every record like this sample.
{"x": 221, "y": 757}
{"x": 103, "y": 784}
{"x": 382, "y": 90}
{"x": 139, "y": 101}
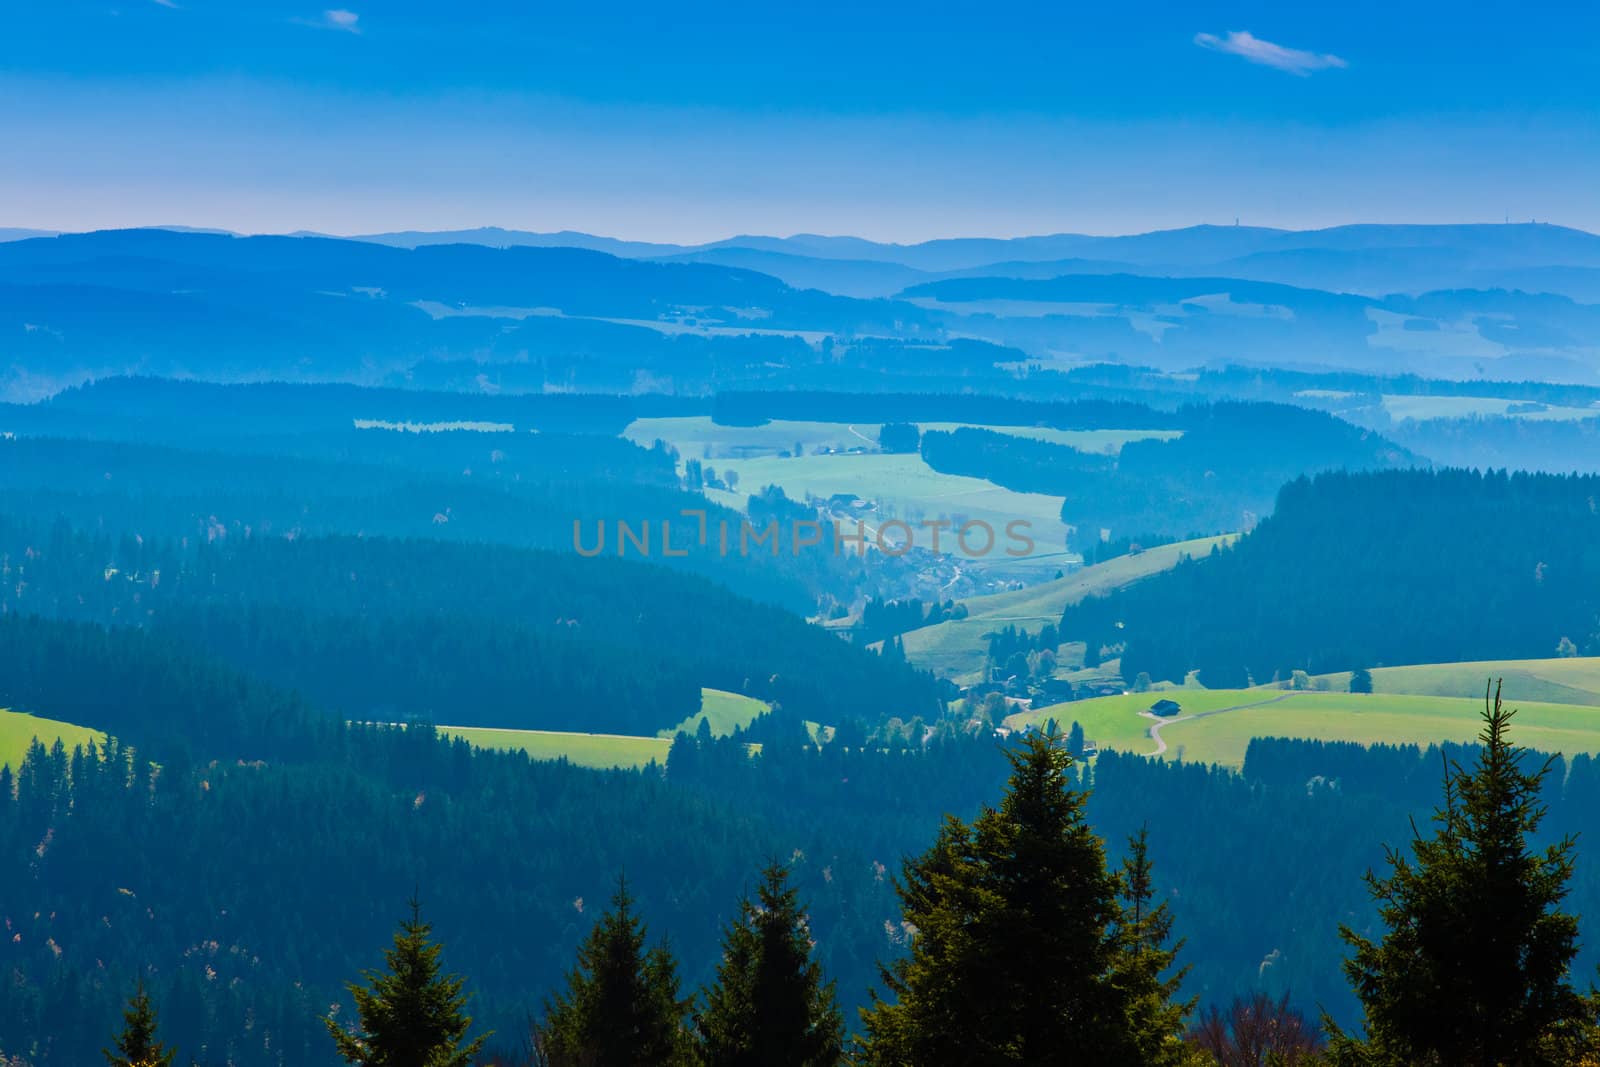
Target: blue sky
{"x": 693, "y": 121}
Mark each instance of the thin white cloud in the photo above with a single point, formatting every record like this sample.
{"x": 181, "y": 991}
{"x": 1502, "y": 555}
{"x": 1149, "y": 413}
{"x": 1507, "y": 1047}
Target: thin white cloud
{"x": 333, "y": 19}
{"x": 1248, "y": 46}
{"x": 165, "y": 3}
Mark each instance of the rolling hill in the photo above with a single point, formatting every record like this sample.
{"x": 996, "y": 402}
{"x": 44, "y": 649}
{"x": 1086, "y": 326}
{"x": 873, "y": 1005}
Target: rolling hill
{"x": 1571, "y": 680}
{"x": 1216, "y": 725}
{"x": 1389, "y": 567}
{"x": 18, "y": 731}
{"x": 956, "y": 648}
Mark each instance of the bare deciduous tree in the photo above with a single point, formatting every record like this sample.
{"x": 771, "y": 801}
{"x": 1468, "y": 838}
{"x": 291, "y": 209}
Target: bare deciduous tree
{"x": 1257, "y": 1031}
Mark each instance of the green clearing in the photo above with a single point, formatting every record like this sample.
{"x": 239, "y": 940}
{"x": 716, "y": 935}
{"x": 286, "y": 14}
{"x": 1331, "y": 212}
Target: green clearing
{"x": 697, "y": 437}
{"x": 18, "y": 731}
{"x": 724, "y": 710}
{"x": 1457, "y": 407}
{"x": 901, "y": 486}
{"x": 585, "y": 750}
{"x": 1216, "y": 725}
{"x": 909, "y": 490}
{"x": 957, "y": 649}
{"x": 1550, "y": 681}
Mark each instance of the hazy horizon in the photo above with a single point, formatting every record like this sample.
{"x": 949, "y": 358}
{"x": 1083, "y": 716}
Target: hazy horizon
{"x": 764, "y": 234}
{"x": 894, "y": 123}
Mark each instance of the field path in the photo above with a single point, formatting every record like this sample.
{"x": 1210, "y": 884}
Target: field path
{"x": 1157, "y": 722}
{"x": 861, "y": 435}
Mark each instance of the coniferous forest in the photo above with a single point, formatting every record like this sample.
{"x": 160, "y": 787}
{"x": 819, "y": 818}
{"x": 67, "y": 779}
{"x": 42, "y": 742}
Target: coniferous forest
{"x": 811, "y": 535}
{"x": 277, "y": 856}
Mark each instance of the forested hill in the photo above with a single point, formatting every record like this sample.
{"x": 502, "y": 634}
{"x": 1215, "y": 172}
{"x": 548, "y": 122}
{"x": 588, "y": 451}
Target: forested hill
{"x": 1225, "y": 468}
{"x": 1364, "y": 570}
{"x": 244, "y": 891}
{"x": 465, "y": 634}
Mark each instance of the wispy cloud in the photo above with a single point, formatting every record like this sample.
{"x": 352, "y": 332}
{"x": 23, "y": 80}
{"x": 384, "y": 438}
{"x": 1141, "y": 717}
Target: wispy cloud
{"x": 165, "y": 3}
{"x": 333, "y": 19}
{"x": 1248, "y": 46}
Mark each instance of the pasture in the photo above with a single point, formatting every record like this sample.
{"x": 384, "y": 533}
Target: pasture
{"x": 901, "y": 486}
{"x": 907, "y": 489}
{"x": 725, "y": 711}
{"x": 18, "y": 731}
{"x": 1216, "y": 725}
{"x": 1550, "y": 681}
{"x": 698, "y": 437}
{"x": 1401, "y": 407}
{"x": 602, "y": 751}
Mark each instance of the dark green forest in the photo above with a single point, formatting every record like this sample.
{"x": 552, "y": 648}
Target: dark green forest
{"x": 270, "y": 612}
{"x": 1221, "y": 474}
{"x": 259, "y": 862}
{"x": 1372, "y": 569}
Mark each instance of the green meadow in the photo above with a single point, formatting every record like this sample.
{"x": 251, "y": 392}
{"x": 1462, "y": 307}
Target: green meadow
{"x": 1457, "y": 407}
{"x": 722, "y": 709}
{"x": 725, "y": 711}
{"x": 1216, "y": 725}
{"x": 698, "y": 437}
{"x": 907, "y": 489}
{"x": 902, "y": 485}
{"x": 18, "y": 731}
{"x": 1552, "y": 681}
{"x": 585, "y": 750}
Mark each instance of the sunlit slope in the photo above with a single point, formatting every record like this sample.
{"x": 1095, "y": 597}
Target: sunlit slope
{"x": 722, "y": 709}
{"x": 586, "y": 750}
{"x": 725, "y": 711}
{"x": 1552, "y": 681}
{"x": 18, "y": 731}
{"x": 699, "y": 437}
{"x": 956, "y": 648}
{"x": 1216, "y": 725}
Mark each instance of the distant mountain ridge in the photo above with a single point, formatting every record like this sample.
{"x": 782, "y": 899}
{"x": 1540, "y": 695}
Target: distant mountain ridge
{"x": 1367, "y": 258}
{"x": 1372, "y": 259}
{"x": 553, "y": 316}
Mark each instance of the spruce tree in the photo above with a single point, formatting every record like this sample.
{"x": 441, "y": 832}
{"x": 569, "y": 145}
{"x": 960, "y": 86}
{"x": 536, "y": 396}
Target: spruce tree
{"x": 138, "y": 1047}
{"x": 1156, "y": 1018}
{"x": 1016, "y": 952}
{"x": 621, "y": 1005}
{"x": 413, "y": 1015}
{"x": 1473, "y": 968}
{"x": 1075, "y": 740}
{"x": 769, "y": 1006}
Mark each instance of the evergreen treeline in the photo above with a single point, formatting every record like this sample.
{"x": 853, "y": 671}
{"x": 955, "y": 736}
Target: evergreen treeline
{"x": 736, "y": 408}
{"x": 551, "y": 495}
{"x": 1224, "y": 469}
{"x": 263, "y": 866}
{"x": 881, "y": 618}
{"x": 1025, "y": 944}
{"x": 1365, "y": 570}
{"x": 459, "y": 634}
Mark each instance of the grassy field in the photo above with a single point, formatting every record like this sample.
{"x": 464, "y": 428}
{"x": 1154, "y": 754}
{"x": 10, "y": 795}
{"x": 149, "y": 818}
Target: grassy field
{"x": 697, "y": 437}
{"x": 903, "y": 486}
{"x": 1217, "y": 724}
{"x": 1455, "y": 407}
{"x": 585, "y": 750}
{"x": 1551, "y": 681}
{"x": 724, "y": 710}
{"x": 907, "y": 489}
{"x": 17, "y": 732}
{"x": 956, "y": 649}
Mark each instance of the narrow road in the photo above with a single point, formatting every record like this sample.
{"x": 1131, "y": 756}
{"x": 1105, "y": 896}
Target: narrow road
{"x": 861, "y": 435}
{"x": 1158, "y": 722}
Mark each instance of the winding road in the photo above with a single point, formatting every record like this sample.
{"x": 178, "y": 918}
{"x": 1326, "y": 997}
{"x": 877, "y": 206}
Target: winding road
{"x": 1158, "y": 722}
